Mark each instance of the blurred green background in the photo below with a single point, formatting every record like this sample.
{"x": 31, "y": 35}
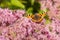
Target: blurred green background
{"x": 12, "y": 4}
{"x": 20, "y": 4}
{"x": 31, "y": 6}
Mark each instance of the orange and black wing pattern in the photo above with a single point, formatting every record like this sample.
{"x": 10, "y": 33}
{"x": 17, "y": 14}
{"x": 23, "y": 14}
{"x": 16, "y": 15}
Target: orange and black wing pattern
{"x": 36, "y": 17}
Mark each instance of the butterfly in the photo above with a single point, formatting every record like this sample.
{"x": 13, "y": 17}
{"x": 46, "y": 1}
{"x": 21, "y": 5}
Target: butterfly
{"x": 37, "y": 17}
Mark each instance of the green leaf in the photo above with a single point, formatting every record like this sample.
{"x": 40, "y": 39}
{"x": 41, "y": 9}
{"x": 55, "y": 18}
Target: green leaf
{"x": 40, "y": 11}
{"x": 17, "y": 3}
{"x": 14, "y": 7}
{"x": 46, "y": 10}
{"x": 30, "y": 10}
{"x": 22, "y": 1}
{"x": 32, "y": 2}
{"x": 46, "y": 17}
{"x": 43, "y": 11}
{"x": 48, "y": 21}
{"x": 5, "y": 4}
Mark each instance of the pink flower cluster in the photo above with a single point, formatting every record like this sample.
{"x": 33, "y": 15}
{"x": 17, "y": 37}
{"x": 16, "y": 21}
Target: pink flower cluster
{"x": 8, "y": 16}
{"x": 16, "y": 27}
